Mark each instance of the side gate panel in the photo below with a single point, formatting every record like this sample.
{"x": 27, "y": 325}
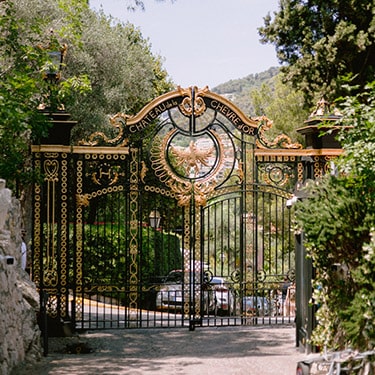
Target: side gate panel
{"x": 50, "y": 250}
{"x": 102, "y": 239}
{"x": 126, "y": 243}
{"x": 248, "y": 253}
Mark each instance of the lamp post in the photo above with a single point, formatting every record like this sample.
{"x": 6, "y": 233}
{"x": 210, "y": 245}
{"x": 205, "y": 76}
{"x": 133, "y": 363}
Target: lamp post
{"x": 154, "y": 218}
{"x": 56, "y": 53}
{"x": 51, "y": 105}
{"x": 305, "y": 317}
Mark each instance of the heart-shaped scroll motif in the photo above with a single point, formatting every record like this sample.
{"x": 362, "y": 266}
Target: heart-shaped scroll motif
{"x": 51, "y": 168}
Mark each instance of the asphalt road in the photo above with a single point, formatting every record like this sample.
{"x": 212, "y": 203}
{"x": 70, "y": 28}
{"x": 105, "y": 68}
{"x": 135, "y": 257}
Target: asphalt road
{"x": 246, "y": 350}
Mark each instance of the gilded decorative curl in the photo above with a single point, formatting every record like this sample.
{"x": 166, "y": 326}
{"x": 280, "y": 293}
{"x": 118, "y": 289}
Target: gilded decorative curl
{"x": 182, "y": 192}
{"x": 201, "y": 192}
{"x": 83, "y": 200}
{"x": 180, "y": 187}
{"x": 281, "y": 141}
{"x": 118, "y": 122}
{"x": 143, "y": 172}
{"x": 51, "y": 169}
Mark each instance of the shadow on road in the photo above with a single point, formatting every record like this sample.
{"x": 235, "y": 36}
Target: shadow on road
{"x": 223, "y": 350}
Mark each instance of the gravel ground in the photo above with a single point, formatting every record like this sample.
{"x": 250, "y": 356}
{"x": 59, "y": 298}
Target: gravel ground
{"x": 218, "y": 351}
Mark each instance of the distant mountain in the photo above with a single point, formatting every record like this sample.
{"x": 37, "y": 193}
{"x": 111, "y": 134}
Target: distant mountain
{"x": 238, "y": 90}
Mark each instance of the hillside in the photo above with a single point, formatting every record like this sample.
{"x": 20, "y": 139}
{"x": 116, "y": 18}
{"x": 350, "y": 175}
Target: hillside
{"x": 238, "y": 90}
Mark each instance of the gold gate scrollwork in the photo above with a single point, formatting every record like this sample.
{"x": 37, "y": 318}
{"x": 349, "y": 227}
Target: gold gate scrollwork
{"x": 51, "y": 170}
{"x": 281, "y": 141}
{"x": 189, "y": 171}
{"x": 50, "y": 236}
{"x": 193, "y": 103}
{"x": 133, "y": 243}
{"x": 191, "y": 159}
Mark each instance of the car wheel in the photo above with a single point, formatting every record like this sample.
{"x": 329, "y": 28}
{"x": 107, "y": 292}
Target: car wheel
{"x": 302, "y": 369}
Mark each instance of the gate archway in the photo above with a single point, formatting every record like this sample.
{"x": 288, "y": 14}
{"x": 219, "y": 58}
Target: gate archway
{"x": 223, "y": 247}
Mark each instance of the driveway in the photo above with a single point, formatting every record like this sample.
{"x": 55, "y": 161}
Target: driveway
{"x": 210, "y": 351}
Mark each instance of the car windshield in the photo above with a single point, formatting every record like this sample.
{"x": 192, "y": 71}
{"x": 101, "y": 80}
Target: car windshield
{"x": 218, "y": 281}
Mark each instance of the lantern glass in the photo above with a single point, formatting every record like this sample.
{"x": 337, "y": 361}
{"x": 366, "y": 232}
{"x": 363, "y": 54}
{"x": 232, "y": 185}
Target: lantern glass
{"x": 154, "y": 218}
{"x": 56, "y": 61}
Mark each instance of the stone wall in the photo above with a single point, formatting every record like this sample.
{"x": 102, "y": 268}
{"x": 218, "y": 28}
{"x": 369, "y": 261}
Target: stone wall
{"x": 20, "y": 339}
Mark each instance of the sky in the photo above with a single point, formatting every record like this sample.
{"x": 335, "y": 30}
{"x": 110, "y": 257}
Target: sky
{"x": 202, "y": 42}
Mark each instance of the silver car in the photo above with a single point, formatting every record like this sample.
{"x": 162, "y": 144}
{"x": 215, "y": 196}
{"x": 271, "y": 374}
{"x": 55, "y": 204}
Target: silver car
{"x": 170, "y": 294}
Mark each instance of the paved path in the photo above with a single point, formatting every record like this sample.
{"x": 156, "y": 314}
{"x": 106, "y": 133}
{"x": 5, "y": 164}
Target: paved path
{"x": 210, "y": 351}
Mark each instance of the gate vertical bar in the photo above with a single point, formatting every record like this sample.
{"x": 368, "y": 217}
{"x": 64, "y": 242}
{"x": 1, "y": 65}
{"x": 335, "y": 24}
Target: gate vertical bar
{"x": 134, "y": 229}
{"x": 78, "y": 301}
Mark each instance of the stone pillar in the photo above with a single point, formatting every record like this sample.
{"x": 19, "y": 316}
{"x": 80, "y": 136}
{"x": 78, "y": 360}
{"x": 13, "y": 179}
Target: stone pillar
{"x": 19, "y": 300}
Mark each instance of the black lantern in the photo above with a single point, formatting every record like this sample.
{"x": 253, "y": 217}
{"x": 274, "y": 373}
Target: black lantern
{"x": 56, "y": 53}
{"x": 56, "y": 57}
{"x": 53, "y": 72}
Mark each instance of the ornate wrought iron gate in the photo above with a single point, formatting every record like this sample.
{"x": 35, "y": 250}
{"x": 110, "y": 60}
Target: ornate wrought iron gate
{"x": 180, "y": 219}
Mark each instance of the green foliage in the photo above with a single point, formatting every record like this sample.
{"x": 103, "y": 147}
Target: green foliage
{"x": 107, "y": 258}
{"x": 339, "y": 221}
{"x": 104, "y": 257}
{"x": 124, "y": 74}
{"x": 161, "y": 254}
{"x": 238, "y": 90}
{"x": 359, "y": 142}
{"x": 266, "y": 94}
{"x": 108, "y": 69}
{"x": 20, "y": 89}
{"x": 110, "y": 60}
{"x": 24, "y": 62}
{"x": 322, "y": 40}
{"x": 359, "y": 317}
{"x": 334, "y": 218}
{"x": 283, "y": 105}
{"x": 73, "y": 11}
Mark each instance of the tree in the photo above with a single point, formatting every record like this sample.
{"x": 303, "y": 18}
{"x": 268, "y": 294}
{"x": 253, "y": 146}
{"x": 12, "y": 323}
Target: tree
{"x": 137, "y": 4}
{"x": 321, "y": 41}
{"x": 339, "y": 222}
{"x": 21, "y": 88}
{"x": 123, "y": 72}
{"x": 283, "y": 105}
{"x": 24, "y": 38}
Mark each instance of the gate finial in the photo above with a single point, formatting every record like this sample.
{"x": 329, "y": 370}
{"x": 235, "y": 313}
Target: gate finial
{"x": 193, "y": 102}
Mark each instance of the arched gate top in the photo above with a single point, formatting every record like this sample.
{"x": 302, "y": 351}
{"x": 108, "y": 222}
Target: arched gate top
{"x": 191, "y": 102}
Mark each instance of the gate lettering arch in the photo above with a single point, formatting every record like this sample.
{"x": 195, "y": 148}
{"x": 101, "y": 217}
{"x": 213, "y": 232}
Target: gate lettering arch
{"x": 177, "y": 218}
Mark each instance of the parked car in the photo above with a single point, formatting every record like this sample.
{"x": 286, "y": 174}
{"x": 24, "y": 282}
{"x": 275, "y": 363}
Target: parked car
{"x": 170, "y": 296}
{"x": 225, "y": 297}
{"x": 255, "y": 306}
